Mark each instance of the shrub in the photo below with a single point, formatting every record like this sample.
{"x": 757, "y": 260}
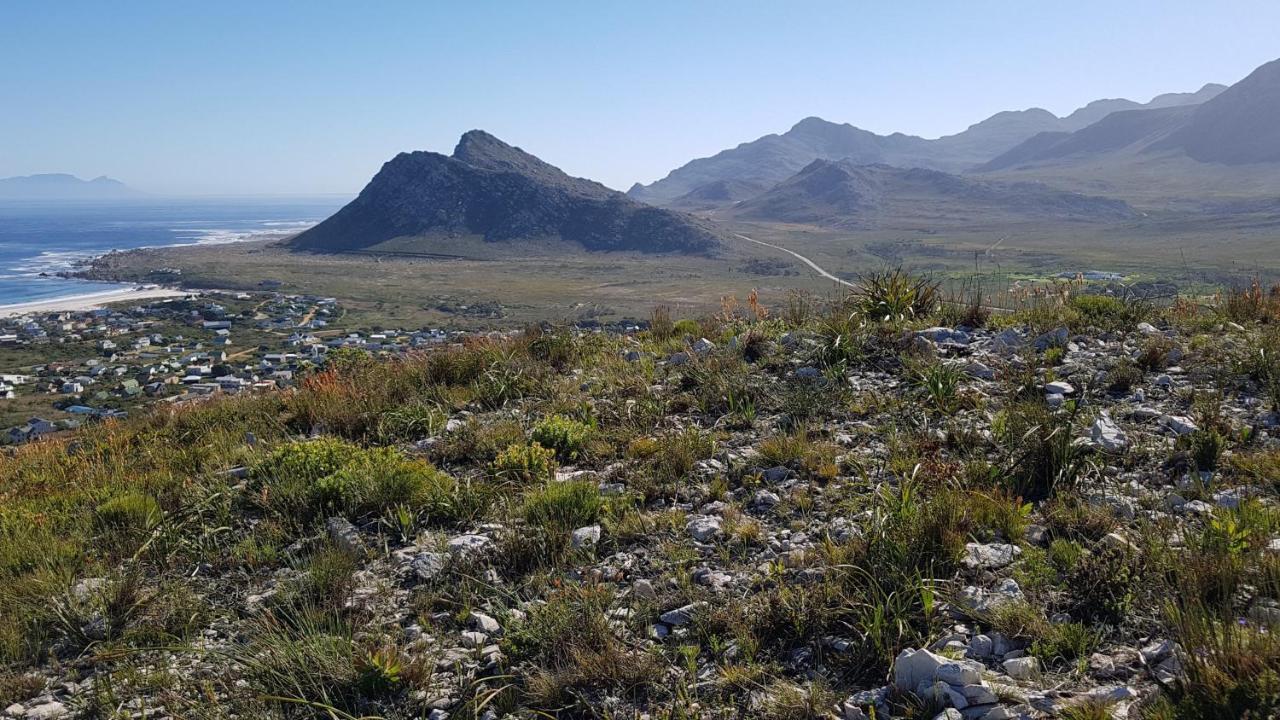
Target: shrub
{"x": 1154, "y": 355}
{"x": 566, "y": 436}
{"x": 571, "y": 646}
{"x": 1122, "y": 377}
{"x": 1108, "y": 313}
{"x": 373, "y": 481}
{"x": 1203, "y": 448}
{"x": 1042, "y": 455}
{"x": 524, "y": 463}
{"x": 940, "y": 384}
{"x": 895, "y": 296}
{"x": 1102, "y": 585}
{"x": 1232, "y": 669}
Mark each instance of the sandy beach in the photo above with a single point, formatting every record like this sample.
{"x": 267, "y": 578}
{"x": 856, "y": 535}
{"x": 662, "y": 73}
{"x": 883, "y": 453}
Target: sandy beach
{"x": 88, "y": 301}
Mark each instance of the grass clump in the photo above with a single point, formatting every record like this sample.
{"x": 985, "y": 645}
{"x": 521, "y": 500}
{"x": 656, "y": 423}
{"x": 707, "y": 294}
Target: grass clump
{"x": 561, "y": 507}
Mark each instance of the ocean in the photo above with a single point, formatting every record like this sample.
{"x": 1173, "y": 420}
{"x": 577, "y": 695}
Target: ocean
{"x": 40, "y": 238}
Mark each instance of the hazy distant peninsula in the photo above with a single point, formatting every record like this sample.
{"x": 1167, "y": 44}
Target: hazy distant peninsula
{"x": 61, "y": 186}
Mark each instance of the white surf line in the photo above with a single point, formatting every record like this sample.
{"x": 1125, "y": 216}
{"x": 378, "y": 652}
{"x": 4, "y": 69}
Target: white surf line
{"x": 816, "y": 268}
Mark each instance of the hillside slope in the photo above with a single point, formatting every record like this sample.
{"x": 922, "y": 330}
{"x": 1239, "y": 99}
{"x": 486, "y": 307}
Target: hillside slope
{"x": 842, "y": 193}
{"x": 491, "y": 189}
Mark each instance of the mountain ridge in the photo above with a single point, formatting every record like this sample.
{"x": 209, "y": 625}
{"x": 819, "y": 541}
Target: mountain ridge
{"x": 501, "y": 193}
{"x": 773, "y": 158}
{"x": 843, "y": 194}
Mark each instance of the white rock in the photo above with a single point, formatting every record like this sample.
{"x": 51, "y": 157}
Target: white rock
{"x": 954, "y": 673}
{"x": 1059, "y": 387}
{"x": 703, "y": 527}
{"x": 979, "y": 556}
{"x": 980, "y": 371}
{"x": 484, "y": 623}
{"x": 913, "y": 667}
{"x": 468, "y": 545}
{"x": 586, "y": 536}
{"x": 1023, "y": 668}
{"x": 703, "y": 346}
{"x": 1179, "y": 424}
{"x": 1106, "y": 434}
{"x": 682, "y": 615}
{"x": 643, "y": 590}
{"x": 46, "y": 711}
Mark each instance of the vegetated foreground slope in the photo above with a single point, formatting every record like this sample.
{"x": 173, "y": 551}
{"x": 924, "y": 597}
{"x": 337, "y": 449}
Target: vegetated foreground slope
{"x": 764, "y": 515}
{"x": 502, "y": 193}
{"x": 841, "y": 193}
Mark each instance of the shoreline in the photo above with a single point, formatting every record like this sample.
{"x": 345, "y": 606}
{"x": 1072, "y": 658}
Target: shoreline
{"x": 89, "y": 301}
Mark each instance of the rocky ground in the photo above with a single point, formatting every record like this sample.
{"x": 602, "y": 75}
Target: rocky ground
{"x": 842, "y": 512}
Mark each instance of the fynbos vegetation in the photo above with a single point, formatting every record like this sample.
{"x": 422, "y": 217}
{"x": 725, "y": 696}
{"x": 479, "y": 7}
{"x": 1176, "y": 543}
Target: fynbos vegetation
{"x": 838, "y": 509}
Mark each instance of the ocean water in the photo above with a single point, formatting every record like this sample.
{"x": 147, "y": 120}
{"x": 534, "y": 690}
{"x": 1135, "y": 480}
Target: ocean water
{"x": 39, "y": 239}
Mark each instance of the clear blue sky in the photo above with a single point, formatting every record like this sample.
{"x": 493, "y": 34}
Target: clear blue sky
{"x": 268, "y": 96}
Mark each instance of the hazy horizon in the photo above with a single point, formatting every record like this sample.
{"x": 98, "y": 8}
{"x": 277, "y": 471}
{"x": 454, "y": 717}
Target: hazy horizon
{"x": 292, "y": 99}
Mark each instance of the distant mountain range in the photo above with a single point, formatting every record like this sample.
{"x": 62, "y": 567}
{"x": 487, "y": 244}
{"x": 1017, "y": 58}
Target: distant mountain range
{"x": 841, "y": 193}
{"x": 58, "y": 186}
{"x": 1239, "y": 126}
{"x": 763, "y": 162}
{"x": 1214, "y": 151}
{"x": 490, "y": 189}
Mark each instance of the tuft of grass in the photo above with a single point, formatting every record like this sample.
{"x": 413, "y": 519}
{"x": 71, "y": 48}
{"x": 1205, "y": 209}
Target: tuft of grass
{"x": 560, "y": 507}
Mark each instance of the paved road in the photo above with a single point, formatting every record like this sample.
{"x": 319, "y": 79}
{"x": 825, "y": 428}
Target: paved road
{"x": 816, "y": 267}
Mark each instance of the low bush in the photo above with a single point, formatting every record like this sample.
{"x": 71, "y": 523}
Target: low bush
{"x": 524, "y": 464}
{"x": 566, "y": 436}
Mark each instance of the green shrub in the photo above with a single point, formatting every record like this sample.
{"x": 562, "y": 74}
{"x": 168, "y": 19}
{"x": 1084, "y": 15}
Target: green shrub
{"x": 524, "y": 463}
{"x": 1108, "y": 313}
{"x": 940, "y": 384}
{"x": 1232, "y": 667}
{"x": 1042, "y": 456}
{"x": 1203, "y": 447}
{"x": 1122, "y": 377}
{"x": 566, "y": 436}
{"x": 1102, "y": 585}
{"x": 895, "y": 296}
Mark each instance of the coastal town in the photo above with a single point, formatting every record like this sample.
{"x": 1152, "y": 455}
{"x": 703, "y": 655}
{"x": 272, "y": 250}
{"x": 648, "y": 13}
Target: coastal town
{"x": 59, "y": 370}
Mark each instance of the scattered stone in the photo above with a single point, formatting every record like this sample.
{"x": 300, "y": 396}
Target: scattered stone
{"x": 1107, "y": 435}
{"x": 682, "y": 615}
{"x": 586, "y": 536}
{"x": 344, "y": 535}
{"x": 427, "y": 565}
{"x": 1023, "y": 668}
{"x": 1179, "y": 424}
{"x": 992, "y": 556}
{"x": 469, "y": 545}
{"x": 704, "y": 528}
{"x": 1059, "y": 387}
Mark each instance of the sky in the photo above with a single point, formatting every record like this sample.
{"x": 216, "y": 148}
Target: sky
{"x": 241, "y": 97}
